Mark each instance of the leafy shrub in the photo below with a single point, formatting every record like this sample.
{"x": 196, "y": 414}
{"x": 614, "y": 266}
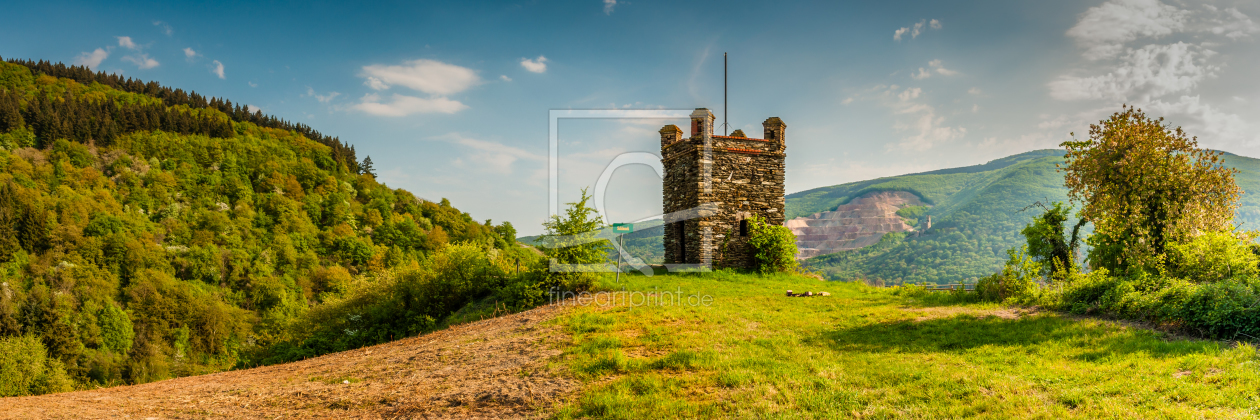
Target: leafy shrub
{"x": 1225, "y": 309}
{"x": 1016, "y": 280}
{"x": 393, "y": 305}
{"x": 26, "y": 369}
{"x": 1213, "y": 256}
{"x": 774, "y": 247}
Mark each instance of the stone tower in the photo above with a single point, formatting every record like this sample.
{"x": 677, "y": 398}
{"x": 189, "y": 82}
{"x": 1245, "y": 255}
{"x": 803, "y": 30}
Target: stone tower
{"x": 713, "y": 184}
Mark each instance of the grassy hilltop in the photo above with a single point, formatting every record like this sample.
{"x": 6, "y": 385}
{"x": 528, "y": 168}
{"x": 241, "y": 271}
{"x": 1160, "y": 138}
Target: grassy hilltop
{"x": 865, "y": 352}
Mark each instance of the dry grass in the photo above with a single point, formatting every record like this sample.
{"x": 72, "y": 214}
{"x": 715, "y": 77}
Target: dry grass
{"x": 488, "y": 369}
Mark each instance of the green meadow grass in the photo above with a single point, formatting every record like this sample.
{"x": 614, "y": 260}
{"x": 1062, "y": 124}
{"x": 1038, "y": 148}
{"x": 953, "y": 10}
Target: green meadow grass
{"x": 865, "y": 353}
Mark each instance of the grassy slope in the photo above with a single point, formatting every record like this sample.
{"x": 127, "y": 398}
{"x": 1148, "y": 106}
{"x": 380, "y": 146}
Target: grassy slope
{"x": 866, "y": 353}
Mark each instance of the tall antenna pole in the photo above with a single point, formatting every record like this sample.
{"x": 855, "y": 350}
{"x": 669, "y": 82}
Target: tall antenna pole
{"x": 725, "y": 126}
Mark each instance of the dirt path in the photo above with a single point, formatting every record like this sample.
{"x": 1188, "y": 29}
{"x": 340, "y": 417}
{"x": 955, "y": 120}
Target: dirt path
{"x": 495, "y": 368}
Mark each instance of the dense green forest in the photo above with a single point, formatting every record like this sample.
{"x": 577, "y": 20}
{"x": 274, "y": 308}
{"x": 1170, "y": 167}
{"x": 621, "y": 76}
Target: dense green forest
{"x": 147, "y": 233}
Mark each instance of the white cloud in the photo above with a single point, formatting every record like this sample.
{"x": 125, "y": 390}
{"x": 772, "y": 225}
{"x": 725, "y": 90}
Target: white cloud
{"x": 252, "y": 84}
{"x": 505, "y": 78}
{"x": 926, "y": 129}
{"x": 538, "y": 65}
{"x": 912, "y": 115}
{"x": 936, "y": 65}
{"x": 1144, "y": 73}
{"x": 1056, "y": 123}
{"x": 899, "y": 32}
{"x": 253, "y": 108}
{"x": 436, "y": 78}
{"x": 1214, "y": 127}
{"x": 166, "y": 29}
{"x": 403, "y": 105}
{"x": 126, "y": 42}
{"x": 1231, "y": 23}
{"x": 92, "y": 59}
{"x": 217, "y": 68}
{"x": 974, "y": 91}
{"x": 142, "y": 60}
{"x": 916, "y": 29}
{"x": 375, "y": 84}
{"x": 428, "y": 76}
{"x": 609, "y": 5}
{"x": 322, "y": 98}
{"x": 190, "y": 54}
{"x": 1103, "y": 30}
{"x": 493, "y": 156}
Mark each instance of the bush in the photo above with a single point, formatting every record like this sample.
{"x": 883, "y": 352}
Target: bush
{"x": 1226, "y": 309}
{"x": 394, "y": 305}
{"x": 26, "y": 369}
{"x": 1016, "y": 280}
{"x": 774, "y": 247}
{"x": 1211, "y": 257}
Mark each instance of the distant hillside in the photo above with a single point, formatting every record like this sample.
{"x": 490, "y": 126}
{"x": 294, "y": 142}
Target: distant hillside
{"x": 976, "y": 213}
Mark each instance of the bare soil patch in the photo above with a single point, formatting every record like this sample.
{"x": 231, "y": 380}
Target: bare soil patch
{"x": 496, "y": 368}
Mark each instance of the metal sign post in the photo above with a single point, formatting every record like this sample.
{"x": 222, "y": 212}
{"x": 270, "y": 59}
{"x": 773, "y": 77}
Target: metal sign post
{"x": 621, "y": 229}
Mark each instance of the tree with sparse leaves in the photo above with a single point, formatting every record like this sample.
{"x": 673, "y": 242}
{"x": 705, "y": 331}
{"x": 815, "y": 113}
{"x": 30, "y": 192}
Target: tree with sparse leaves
{"x": 1049, "y": 242}
{"x": 1145, "y": 185}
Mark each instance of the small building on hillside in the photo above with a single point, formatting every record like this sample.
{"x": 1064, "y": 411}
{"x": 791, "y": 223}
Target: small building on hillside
{"x": 713, "y": 185}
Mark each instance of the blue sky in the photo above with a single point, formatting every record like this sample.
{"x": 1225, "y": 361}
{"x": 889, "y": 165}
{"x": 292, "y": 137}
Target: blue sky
{"x": 451, "y": 99}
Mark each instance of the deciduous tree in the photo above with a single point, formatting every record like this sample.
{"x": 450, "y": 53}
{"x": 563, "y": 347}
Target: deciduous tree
{"x": 1145, "y": 184}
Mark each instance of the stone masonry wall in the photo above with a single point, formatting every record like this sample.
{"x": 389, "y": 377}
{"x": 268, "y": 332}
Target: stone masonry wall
{"x": 732, "y": 179}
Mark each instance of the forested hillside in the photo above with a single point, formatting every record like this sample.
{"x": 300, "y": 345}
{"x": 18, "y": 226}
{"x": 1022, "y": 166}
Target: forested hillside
{"x": 147, "y": 232}
{"x": 977, "y": 214}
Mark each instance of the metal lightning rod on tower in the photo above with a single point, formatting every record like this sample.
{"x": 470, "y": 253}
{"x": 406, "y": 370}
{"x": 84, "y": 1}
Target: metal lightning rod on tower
{"x": 725, "y": 126}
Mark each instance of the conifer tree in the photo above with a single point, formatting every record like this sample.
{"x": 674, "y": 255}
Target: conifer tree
{"x": 366, "y": 167}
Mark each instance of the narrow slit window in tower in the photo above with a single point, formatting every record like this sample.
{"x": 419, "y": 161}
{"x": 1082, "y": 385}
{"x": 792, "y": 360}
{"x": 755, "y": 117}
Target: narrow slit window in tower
{"x": 682, "y": 241}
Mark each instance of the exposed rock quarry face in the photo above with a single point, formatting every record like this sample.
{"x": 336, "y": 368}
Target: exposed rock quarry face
{"x": 860, "y": 223}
